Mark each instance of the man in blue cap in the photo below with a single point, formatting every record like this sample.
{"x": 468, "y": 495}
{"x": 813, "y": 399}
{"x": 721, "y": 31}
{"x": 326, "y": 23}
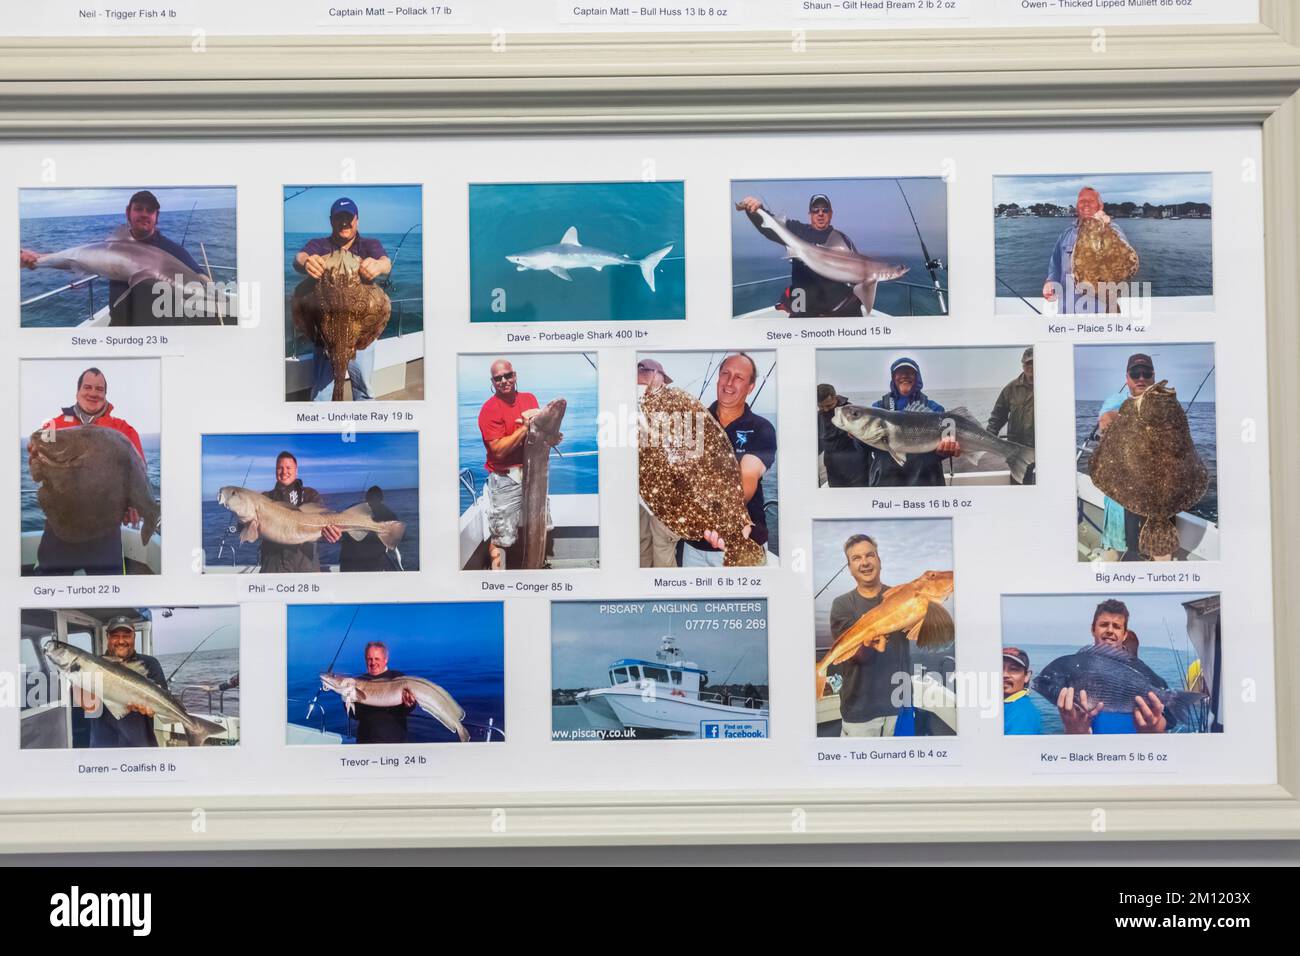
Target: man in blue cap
{"x": 917, "y": 470}
{"x": 345, "y": 234}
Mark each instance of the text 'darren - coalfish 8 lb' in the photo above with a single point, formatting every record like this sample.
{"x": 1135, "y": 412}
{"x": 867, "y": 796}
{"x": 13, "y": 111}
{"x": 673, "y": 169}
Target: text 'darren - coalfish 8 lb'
{"x": 1115, "y": 678}
{"x": 1147, "y": 462}
{"x": 263, "y": 517}
{"x": 689, "y": 478}
{"x": 341, "y": 312}
{"x": 89, "y": 476}
{"x": 432, "y": 699}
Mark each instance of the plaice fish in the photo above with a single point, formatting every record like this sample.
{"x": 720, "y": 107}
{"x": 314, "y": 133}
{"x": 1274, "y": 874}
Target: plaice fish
{"x": 429, "y": 697}
{"x": 914, "y": 433}
{"x": 1101, "y": 257}
{"x": 835, "y": 262}
{"x": 118, "y": 684}
{"x": 89, "y": 476}
{"x": 276, "y": 521}
{"x": 570, "y": 254}
{"x": 1114, "y": 677}
{"x": 340, "y": 311}
{"x": 913, "y": 608}
{"x": 689, "y": 478}
{"x": 543, "y": 433}
{"x": 1147, "y": 462}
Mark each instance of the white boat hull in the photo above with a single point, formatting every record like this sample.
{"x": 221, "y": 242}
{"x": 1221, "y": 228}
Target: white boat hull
{"x": 669, "y": 715}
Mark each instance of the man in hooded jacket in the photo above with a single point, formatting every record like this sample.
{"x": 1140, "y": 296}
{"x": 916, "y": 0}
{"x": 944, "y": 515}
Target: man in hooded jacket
{"x": 917, "y": 470}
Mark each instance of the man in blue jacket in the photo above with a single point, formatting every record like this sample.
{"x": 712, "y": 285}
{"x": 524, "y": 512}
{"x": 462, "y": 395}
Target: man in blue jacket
{"x": 923, "y": 470}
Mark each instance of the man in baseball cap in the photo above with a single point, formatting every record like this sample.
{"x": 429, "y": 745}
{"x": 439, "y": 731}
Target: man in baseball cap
{"x": 1014, "y": 409}
{"x": 1120, "y": 528}
{"x": 134, "y": 728}
{"x": 345, "y": 235}
{"x": 1019, "y": 715}
{"x": 650, "y": 372}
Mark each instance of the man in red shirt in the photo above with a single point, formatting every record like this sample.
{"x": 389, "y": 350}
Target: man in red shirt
{"x": 103, "y": 555}
{"x": 503, "y": 423}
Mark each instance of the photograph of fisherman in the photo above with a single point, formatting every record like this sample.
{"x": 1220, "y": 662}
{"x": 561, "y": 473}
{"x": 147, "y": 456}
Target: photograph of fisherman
{"x": 72, "y": 480}
{"x": 529, "y": 461}
{"x": 1106, "y": 683}
{"x": 658, "y": 542}
{"x": 345, "y": 234}
{"x": 1107, "y": 531}
{"x": 1114, "y": 243}
{"x": 135, "y": 727}
{"x": 846, "y": 462}
{"x": 879, "y": 248}
{"x": 1014, "y": 411}
{"x": 877, "y": 640}
{"x": 341, "y": 687}
{"x": 915, "y": 435}
{"x": 564, "y": 252}
{"x": 112, "y": 240}
{"x": 340, "y": 501}
{"x": 1019, "y": 715}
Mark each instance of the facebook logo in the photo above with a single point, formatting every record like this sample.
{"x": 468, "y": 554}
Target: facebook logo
{"x": 711, "y": 731}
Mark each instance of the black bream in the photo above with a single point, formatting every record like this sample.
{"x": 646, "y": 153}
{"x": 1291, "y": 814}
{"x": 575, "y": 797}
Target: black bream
{"x": 1113, "y": 676}
{"x": 117, "y": 685}
{"x": 89, "y": 476}
{"x": 913, "y": 433}
{"x": 543, "y": 433}
{"x": 276, "y": 521}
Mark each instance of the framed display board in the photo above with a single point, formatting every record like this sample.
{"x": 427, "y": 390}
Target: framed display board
{"x": 792, "y": 423}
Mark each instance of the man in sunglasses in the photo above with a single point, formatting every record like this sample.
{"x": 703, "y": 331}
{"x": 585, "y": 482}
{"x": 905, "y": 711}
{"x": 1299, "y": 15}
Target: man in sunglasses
{"x": 345, "y": 234}
{"x": 1121, "y": 528}
{"x": 503, "y": 423}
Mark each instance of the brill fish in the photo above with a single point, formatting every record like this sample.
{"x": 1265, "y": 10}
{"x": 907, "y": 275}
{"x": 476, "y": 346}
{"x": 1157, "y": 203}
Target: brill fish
{"x": 432, "y": 699}
{"x": 571, "y": 254}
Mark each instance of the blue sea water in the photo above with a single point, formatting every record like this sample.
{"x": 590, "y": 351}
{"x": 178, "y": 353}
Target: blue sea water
{"x": 1200, "y": 420}
{"x": 205, "y": 667}
{"x": 213, "y": 228}
{"x": 433, "y": 641}
{"x": 33, "y": 519}
{"x": 1174, "y": 255}
{"x": 632, "y": 219}
{"x": 223, "y": 547}
{"x": 405, "y": 286}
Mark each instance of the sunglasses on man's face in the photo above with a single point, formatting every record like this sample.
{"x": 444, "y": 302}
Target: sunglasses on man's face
{"x": 503, "y": 377}
{"x": 1142, "y": 372}
{"x": 820, "y": 210}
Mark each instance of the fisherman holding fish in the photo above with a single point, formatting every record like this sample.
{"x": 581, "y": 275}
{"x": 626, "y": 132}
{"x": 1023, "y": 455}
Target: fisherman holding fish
{"x": 1019, "y": 715}
{"x": 917, "y": 470}
{"x": 135, "y": 727}
{"x": 503, "y": 424}
{"x": 810, "y": 294}
{"x": 1121, "y": 528}
{"x": 1014, "y": 409}
{"x": 345, "y": 234}
{"x": 1079, "y": 715}
{"x": 753, "y": 438}
{"x": 102, "y": 555}
{"x": 658, "y": 543}
{"x": 278, "y": 558}
{"x": 382, "y": 725}
{"x": 847, "y": 461}
{"x": 1081, "y": 298}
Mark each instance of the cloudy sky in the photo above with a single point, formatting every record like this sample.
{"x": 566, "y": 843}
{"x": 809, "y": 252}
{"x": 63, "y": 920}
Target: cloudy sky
{"x": 1155, "y": 188}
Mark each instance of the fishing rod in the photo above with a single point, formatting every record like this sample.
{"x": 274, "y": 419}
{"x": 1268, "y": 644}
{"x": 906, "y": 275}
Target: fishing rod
{"x": 172, "y": 675}
{"x": 1018, "y": 295}
{"x": 708, "y": 368}
{"x": 727, "y": 680}
{"x": 185, "y": 234}
{"x": 330, "y": 669}
{"x": 831, "y": 581}
{"x": 298, "y": 193}
{"x": 1198, "y": 390}
{"x": 932, "y": 265}
{"x": 764, "y": 382}
{"x": 392, "y": 261}
{"x": 587, "y": 356}
{"x": 234, "y": 525}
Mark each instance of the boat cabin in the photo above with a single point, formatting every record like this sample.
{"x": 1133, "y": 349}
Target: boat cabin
{"x": 681, "y": 679}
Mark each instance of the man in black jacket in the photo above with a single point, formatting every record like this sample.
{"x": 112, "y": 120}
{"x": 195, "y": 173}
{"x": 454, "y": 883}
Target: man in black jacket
{"x": 289, "y": 490}
{"x": 382, "y": 725}
{"x": 368, "y": 554}
{"x": 135, "y": 727}
{"x": 847, "y": 460}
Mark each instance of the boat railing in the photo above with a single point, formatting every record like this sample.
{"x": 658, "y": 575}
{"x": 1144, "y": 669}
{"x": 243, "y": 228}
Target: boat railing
{"x": 207, "y": 692}
{"x": 734, "y": 700}
{"x": 466, "y": 480}
{"x": 88, "y": 283}
{"x": 913, "y": 288}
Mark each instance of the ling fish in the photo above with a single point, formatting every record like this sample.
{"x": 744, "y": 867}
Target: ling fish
{"x": 912, "y": 607}
{"x": 571, "y": 254}
{"x": 432, "y": 699}
{"x": 277, "y": 522}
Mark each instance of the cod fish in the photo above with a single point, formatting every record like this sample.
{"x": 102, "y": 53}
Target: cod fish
{"x": 912, "y": 607}
{"x": 341, "y": 312}
{"x": 1113, "y": 676}
{"x": 88, "y": 477}
{"x": 1147, "y": 462}
{"x": 432, "y": 699}
{"x": 276, "y": 521}
{"x": 689, "y": 477}
{"x": 913, "y": 433}
{"x": 835, "y": 262}
{"x": 543, "y": 432}
{"x": 571, "y": 254}
{"x": 1101, "y": 257}
{"x": 117, "y": 685}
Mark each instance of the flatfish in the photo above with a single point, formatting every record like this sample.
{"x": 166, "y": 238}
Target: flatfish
{"x": 1147, "y": 462}
{"x": 341, "y": 312}
{"x": 1101, "y": 256}
{"x": 689, "y": 477}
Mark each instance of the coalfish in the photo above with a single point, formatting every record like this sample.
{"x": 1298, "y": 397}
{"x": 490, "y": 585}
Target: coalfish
{"x": 913, "y": 433}
{"x": 571, "y": 254}
{"x": 89, "y": 475}
{"x": 835, "y": 262}
{"x": 276, "y": 521}
{"x": 543, "y": 433}
{"x": 689, "y": 477}
{"x": 432, "y": 699}
{"x": 1114, "y": 677}
{"x": 912, "y": 607}
{"x": 341, "y": 312}
{"x": 117, "y": 685}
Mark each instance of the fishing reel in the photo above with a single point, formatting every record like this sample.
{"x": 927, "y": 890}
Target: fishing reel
{"x": 933, "y": 265}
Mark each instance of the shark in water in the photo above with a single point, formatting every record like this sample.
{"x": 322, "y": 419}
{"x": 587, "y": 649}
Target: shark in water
{"x": 571, "y": 254}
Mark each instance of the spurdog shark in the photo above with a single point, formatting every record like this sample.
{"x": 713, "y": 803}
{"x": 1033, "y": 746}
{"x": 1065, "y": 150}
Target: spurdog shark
{"x": 571, "y": 254}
